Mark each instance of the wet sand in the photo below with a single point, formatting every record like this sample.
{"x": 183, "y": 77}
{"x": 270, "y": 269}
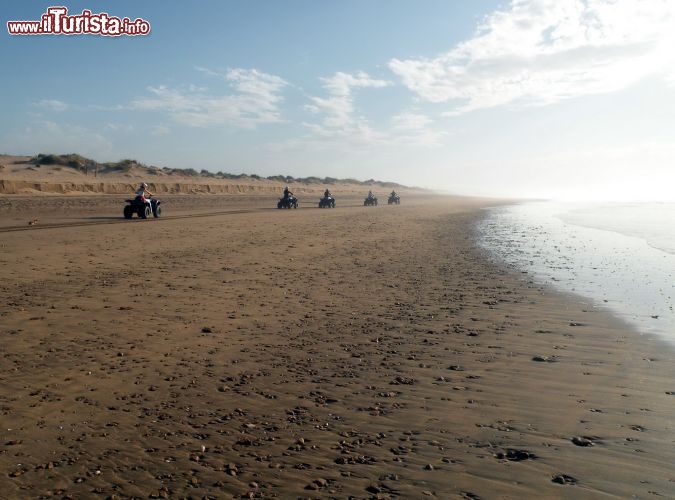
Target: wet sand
{"x": 355, "y": 352}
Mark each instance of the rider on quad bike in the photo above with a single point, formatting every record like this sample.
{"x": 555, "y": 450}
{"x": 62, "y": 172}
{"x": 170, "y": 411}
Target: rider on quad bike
{"x": 142, "y": 192}
{"x": 288, "y": 201}
{"x": 142, "y": 205}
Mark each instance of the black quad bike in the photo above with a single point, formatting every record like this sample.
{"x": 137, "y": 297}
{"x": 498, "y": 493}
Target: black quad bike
{"x": 394, "y": 199}
{"x": 370, "y": 201}
{"x": 327, "y": 202}
{"x": 290, "y": 202}
{"x": 144, "y": 209}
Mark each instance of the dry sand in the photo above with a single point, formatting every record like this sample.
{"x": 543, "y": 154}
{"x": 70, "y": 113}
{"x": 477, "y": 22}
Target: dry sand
{"x": 341, "y": 353}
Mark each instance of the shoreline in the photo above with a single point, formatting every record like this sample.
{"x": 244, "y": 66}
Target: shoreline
{"x": 621, "y": 273}
{"x": 371, "y": 352}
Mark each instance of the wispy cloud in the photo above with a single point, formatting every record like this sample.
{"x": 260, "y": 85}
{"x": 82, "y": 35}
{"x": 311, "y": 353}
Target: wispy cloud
{"x": 160, "y": 130}
{"x": 412, "y": 127}
{"x": 51, "y": 105}
{"x": 102, "y": 107}
{"x": 410, "y": 120}
{"x": 255, "y": 100}
{"x": 119, "y": 127}
{"x": 338, "y": 107}
{"x": 340, "y": 126}
{"x": 542, "y": 51}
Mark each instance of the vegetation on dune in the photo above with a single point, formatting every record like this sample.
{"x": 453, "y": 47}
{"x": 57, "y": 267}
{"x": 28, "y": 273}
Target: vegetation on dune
{"x": 83, "y": 164}
{"x": 75, "y": 161}
{"x": 126, "y": 165}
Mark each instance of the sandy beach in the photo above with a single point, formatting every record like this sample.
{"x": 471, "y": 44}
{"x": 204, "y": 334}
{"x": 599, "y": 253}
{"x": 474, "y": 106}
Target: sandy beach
{"x": 233, "y": 350}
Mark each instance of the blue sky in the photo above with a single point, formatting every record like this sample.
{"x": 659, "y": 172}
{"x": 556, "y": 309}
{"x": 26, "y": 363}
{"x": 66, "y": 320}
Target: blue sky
{"x": 545, "y": 98}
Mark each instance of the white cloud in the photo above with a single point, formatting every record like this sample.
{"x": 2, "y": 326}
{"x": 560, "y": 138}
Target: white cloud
{"x": 414, "y": 128}
{"x": 51, "y": 105}
{"x": 410, "y": 120}
{"x": 101, "y": 107}
{"x": 119, "y": 127}
{"x": 340, "y": 127}
{"x": 256, "y": 83}
{"x": 160, "y": 130}
{"x": 207, "y": 71}
{"x": 338, "y": 107}
{"x": 542, "y": 51}
{"x": 343, "y": 83}
{"x": 255, "y": 100}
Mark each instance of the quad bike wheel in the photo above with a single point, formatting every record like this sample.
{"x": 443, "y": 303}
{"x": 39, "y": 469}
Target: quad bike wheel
{"x": 128, "y": 212}
{"x": 144, "y": 212}
{"x": 157, "y": 212}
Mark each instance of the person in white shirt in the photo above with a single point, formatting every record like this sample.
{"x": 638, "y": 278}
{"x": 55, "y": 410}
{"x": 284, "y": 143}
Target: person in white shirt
{"x": 143, "y": 192}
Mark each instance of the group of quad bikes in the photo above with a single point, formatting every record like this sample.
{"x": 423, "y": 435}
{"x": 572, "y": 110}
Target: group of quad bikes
{"x": 291, "y": 201}
{"x": 371, "y": 200}
{"x": 329, "y": 202}
{"x": 144, "y": 208}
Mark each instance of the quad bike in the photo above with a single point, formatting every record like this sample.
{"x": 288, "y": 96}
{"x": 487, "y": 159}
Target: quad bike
{"x": 370, "y": 201}
{"x": 327, "y": 202}
{"x": 144, "y": 208}
{"x": 290, "y": 202}
{"x": 394, "y": 199}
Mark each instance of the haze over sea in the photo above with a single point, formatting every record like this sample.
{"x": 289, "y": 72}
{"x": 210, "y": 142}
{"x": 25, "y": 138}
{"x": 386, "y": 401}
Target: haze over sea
{"x": 620, "y": 255}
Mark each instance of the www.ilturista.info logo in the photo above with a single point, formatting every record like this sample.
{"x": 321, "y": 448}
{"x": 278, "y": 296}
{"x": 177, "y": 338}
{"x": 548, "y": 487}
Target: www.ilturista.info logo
{"x": 56, "y": 21}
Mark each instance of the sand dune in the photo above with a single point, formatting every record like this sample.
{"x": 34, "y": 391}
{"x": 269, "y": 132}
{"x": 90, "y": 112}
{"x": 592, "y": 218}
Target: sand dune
{"x": 25, "y": 187}
{"x": 19, "y": 176}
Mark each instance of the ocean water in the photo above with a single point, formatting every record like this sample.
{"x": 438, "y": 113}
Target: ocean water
{"x": 620, "y": 255}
